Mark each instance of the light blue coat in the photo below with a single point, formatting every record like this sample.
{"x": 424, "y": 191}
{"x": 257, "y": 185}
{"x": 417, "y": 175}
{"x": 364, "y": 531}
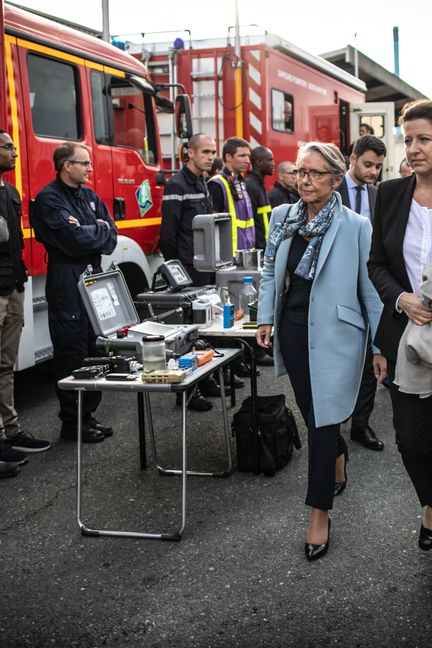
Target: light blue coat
{"x": 343, "y": 302}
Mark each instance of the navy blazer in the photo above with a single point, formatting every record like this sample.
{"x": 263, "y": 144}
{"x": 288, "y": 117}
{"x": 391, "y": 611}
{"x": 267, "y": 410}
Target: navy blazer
{"x": 386, "y": 265}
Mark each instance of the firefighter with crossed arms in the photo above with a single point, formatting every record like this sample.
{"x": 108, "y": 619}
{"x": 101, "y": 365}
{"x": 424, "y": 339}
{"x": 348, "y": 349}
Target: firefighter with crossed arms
{"x": 75, "y": 227}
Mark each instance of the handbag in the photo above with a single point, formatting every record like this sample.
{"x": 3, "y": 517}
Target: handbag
{"x": 277, "y": 434}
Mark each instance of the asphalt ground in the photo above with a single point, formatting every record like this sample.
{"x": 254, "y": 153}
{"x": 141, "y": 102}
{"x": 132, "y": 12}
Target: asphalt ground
{"x": 238, "y": 577}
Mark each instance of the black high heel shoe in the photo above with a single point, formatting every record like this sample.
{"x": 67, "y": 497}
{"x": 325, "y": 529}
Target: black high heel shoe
{"x": 425, "y": 538}
{"x": 313, "y": 551}
{"x": 340, "y": 486}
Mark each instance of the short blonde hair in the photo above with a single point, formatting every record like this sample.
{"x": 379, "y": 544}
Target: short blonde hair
{"x": 332, "y": 156}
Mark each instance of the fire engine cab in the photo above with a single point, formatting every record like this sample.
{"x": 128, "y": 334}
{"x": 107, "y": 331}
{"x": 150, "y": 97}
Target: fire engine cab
{"x": 62, "y": 84}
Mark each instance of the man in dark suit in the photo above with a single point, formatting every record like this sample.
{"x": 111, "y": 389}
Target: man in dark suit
{"x": 358, "y": 191}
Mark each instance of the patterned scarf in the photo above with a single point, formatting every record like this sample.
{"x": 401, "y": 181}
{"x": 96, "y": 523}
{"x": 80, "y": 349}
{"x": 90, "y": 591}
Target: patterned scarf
{"x": 315, "y": 230}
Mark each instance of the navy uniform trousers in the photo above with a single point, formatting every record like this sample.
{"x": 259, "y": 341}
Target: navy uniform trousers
{"x": 71, "y": 334}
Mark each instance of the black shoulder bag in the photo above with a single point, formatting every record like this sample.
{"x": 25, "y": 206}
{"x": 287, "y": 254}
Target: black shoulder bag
{"x": 277, "y": 434}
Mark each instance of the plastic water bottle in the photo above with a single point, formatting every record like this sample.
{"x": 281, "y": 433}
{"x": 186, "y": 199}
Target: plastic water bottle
{"x": 248, "y": 296}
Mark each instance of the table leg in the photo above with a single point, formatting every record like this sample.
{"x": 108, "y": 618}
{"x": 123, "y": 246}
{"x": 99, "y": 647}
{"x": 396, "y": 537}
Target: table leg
{"x": 255, "y": 413}
{"x": 184, "y": 461}
{"x": 141, "y": 431}
{"x": 176, "y": 471}
{"x": 232, "y": 381}
{"x": 148, "y": 411}
{"x": 86, "y": 531}
{"x": 79, "y": 448}
{"x": 226, "y": 427}
{"x": 254, "y": 402}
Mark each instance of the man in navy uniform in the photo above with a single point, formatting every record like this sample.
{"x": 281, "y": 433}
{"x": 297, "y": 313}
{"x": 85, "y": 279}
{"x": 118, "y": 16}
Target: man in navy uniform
{"x": 76, "y": 229}
{"x": 185, "y": 196}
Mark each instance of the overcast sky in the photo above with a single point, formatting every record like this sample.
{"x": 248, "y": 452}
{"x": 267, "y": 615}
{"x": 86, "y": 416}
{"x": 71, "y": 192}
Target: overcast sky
{"x": 315, "y": 25}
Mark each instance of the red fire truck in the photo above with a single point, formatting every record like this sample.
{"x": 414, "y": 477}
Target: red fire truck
{"x": 271, "y": 93}
{"x": 65, "y": 85}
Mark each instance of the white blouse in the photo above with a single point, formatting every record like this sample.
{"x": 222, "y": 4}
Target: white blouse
{"x": 417, "y": 245}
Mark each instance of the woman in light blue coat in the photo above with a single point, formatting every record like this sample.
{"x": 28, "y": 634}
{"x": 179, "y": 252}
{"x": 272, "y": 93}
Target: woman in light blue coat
{"x": 316, "y": 294}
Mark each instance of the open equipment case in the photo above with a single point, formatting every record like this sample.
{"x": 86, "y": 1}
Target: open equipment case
{"x": 115, "y": 320}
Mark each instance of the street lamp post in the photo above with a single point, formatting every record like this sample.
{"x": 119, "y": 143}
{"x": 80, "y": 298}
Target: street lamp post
{"x": 105, "y": 21}
{"x": 356, "y": 65}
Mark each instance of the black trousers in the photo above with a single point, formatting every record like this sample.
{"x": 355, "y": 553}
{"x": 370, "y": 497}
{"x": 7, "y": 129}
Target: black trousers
{"x": 73, "y": 340}
{"x": 412, "y": 421}
{"x": 366, "y": 396}
{"x": 325, "y": 443}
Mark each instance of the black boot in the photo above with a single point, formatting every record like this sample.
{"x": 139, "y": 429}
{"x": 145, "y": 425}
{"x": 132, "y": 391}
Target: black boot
{"x": 238, "y": 382}
{"x": 242, "y": 370}
{"x": 195, "y": 401}
{"x": 210, "y": 388}
{"x": 263, "y": 359}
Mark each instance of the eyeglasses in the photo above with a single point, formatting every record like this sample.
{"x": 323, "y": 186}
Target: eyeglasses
{"x": 8, "y": 147}
{"x": 84, "y": 163}
{"x": 312, "y": 174}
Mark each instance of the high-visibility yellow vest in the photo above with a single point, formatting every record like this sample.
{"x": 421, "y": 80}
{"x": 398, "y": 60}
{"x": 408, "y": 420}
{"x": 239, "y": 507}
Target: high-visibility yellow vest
{"x": 235, "y": 221}
{"x": 265, "y": 211}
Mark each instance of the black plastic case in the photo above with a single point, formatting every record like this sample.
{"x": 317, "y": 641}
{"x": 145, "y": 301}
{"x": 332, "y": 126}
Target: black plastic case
{"x": 169, "y": 307}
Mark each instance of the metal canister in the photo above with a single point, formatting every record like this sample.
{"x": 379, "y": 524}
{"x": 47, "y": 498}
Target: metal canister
{"x": 154, "y": 353}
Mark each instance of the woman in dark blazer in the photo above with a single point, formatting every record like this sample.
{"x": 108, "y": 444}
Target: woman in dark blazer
{"x": 401, "y": 247}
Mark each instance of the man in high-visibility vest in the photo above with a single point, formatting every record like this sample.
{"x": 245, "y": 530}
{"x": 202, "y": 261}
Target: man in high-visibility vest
{"x": 262, "y": 165}
{"x": 229, "y": 194}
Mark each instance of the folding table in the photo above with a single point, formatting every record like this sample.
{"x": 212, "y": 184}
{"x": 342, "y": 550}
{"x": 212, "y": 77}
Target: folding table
{"x": 144, "y": 391}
